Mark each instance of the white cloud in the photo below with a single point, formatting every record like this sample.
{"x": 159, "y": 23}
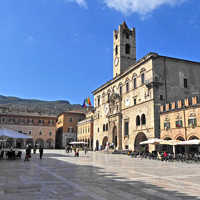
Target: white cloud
{"x": 81, "y": 3}
{"x": 142, "y": 7}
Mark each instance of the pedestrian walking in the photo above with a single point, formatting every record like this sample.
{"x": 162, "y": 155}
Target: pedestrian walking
{"x": 41, "y": 151}
{"x": 28, "y": 153}
{"x": 77, "y": 152}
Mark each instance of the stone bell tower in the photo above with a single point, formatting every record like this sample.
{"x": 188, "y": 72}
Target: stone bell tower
{"x": 124, "y": 49}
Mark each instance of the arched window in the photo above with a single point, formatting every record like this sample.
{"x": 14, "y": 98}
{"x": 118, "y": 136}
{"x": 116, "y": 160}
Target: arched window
{"x": 104, "y": 128}
{"x": 120, "y": 89}
{"x": 142, "y": 78}
{"x": 143, "y": 119}
{"x": 128, "y": 48}
{"x": 116, "y": 50}
{"x": 138, "y": 120}
{"x": 127, "y": 86}
{"x": 107, "y": 127}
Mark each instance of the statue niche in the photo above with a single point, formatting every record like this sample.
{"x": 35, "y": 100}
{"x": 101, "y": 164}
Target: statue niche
{"x": 114, "y": 103}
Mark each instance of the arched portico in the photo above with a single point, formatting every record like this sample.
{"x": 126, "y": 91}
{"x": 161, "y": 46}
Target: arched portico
{"x": 114, "y": 136}
{"x": 104, "y": 142}
{"x": 39, "y": 142}
{"x": 180, "y": 148}
{"x": 193, "y": 137}
{"x": 50, "y": 143}
{"x": 97, "y": 145}
{"x": 140, "y": 138}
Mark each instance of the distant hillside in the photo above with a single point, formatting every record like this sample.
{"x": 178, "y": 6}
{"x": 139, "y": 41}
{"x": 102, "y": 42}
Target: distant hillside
{"x": 16, "y": 104}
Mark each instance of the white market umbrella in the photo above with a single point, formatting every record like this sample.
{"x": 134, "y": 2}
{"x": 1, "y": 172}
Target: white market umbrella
{"x": 189, "y": 142}
{"x": 152, "y": 141}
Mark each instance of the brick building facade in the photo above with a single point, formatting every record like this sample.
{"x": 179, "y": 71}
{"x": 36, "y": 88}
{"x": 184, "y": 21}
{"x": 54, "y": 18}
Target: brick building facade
{"x": 66, "y": 127}
{"x": 40, "y": 127}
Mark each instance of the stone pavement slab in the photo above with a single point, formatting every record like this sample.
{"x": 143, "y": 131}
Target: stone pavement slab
{"x": 97, "y": 176}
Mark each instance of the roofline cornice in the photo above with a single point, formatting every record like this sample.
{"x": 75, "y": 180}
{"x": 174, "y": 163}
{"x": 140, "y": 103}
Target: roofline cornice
{"x": 137, "y": 64}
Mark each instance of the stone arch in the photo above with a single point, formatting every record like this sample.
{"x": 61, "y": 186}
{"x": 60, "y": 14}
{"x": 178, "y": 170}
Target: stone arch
{"x": 140, "y": 137}
{"x": 104, "y": 142}
{"x": 134, "y": 76}
{"x": 181, "y": 138}
{"x": 97, "y": 145}
{"x": 167, "y": 138}
{"x": 50, "y": 143}
{"x": 193, "y": 137}
{"x": 39, "y": 142}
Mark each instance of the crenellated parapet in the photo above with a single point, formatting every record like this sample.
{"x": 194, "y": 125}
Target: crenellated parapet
{"x": 180, "y": 104}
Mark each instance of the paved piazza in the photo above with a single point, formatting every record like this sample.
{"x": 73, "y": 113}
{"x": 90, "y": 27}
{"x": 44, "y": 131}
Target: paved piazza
{"x": 97, "y": 176}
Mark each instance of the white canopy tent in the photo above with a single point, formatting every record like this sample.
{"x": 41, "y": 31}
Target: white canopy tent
{"x": 78, "y": 143}
{"x": 7, "y": 133}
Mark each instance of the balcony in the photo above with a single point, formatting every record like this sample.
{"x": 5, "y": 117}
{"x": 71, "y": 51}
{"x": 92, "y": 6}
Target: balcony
{"x": 150, "y": 83}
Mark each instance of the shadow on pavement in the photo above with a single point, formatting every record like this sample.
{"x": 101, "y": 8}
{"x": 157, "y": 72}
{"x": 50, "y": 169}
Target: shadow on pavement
{"x": 55, "y": 179}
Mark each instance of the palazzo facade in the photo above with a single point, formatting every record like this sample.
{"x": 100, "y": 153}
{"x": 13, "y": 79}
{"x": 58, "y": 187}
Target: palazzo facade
{"x": 66, "y": 127}
{"x": 85, "y": 130}
{"x": 127, "y": 108}
{"x": 40, "y": 127}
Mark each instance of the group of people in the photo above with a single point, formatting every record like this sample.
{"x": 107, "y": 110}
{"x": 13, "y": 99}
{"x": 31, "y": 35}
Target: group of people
{"x": 76, "y": 150}
{"x": 28, "y": 152}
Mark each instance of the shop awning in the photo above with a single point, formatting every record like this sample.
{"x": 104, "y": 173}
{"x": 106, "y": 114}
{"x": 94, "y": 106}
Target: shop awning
{"x": 13, "y": 134}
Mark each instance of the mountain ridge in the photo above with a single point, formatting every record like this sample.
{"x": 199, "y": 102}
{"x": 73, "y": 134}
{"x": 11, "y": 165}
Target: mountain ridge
{"x": 17, "y": 104}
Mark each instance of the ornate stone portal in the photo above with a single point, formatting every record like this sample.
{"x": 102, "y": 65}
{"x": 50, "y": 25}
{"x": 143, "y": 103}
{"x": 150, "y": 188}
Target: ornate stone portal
{"x": 115, "y": 121}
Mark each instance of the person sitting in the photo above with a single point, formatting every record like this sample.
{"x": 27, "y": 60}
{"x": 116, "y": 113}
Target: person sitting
{"x": 165, "y": 156}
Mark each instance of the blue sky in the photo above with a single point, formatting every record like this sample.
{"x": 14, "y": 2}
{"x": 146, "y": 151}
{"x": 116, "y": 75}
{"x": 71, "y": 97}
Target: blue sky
{"x": 62, "y": 49}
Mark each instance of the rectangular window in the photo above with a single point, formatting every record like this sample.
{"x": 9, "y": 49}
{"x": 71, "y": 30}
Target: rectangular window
{"x": 98, "y": 101}
{"x": 134, "y": 101}
{"x": 161, "y": 97}
{"x": 134, "y": 83}
{"x": 192, "y": 122}
{"x": 126, "y": 147}
{"x": 179, "y": 123}
{"x": 126, "y": 128}
{"x": 185, "y": 83}
{"x": 70, "y": 119}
